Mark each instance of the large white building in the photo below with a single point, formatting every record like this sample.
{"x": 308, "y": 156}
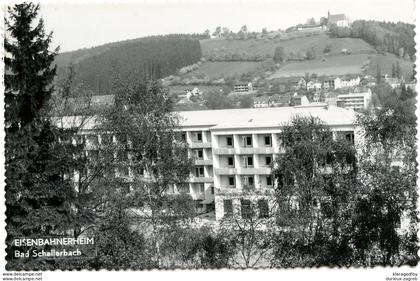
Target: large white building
{"x": 235, "y": 148}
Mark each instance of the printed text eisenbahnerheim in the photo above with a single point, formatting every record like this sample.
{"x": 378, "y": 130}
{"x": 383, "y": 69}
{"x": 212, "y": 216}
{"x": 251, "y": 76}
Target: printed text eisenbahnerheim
{"x": 53, "y": 241}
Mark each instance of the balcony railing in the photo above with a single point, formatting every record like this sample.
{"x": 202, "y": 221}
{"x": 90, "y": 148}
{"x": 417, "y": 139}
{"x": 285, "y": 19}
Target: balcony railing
{"x": 253, "y": 171}
{"x": 225, "y": 171}
{"x": 223, "y": 151}
{"x": 201, "y": 179}
{"x": 245, "y": 150}
{"x": 203, "y": 162}
{"x": 200, "y": 145}
{"x": 264, "y": 150}
{"x": 197, "y": 195}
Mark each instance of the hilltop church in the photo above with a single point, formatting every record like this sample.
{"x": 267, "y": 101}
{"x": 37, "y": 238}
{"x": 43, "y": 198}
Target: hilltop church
{"x": 338, "y": 19}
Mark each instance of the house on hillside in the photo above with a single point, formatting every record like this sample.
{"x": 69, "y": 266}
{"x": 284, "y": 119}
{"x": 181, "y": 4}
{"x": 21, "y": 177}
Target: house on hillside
{"x": 348, "y": 82}
{"x": 243, "y": 88}
{"x": 338, "y": 83}
{"x": 314, "y": 85}
{"x": 270, "y": 101}
{"x": 411, "y": 85}
{"x": 298, "y": 100}
{"x": 355, "y": 101}
{"x": 338, "y": 19}
{"x": 368, "y": 81}
{"x": 329, "y": 83}
{"x": 393, "y": 82}
{"x": 301, "y": 84}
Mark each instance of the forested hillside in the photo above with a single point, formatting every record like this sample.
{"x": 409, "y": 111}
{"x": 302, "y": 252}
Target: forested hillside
{"x": 396, "y": 38}
{"x": 150, "y": 57}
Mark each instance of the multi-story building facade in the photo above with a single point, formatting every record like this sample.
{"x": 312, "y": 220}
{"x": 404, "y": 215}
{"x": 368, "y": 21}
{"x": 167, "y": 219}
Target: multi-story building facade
{"x": 355, "y": 101}
{"x": 235, "y": 149}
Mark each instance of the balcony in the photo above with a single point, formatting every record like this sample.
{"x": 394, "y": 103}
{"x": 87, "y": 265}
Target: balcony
{"x": 225, "y": 171}
{"x": 203, "y": 162}
{"x": 254, "y": 171}
{"x": 197, "y": 196}
{"x": 201, "y": 179}
{"x": 200, "y": 145}
{"x": 245, "y": 150}
{"x": 223, "y": 150}
{"x": 264, "y": 150}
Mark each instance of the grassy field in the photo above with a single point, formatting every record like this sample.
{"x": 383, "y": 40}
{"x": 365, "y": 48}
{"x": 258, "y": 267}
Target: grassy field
{"x": 336, "y": 65}
{"x": 267, "y": 47}
{"x": 215, "y": 70}
{"x": 385, "y": 63}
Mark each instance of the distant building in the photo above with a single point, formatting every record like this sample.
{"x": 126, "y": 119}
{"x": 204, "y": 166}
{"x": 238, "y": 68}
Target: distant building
{"x": 194, "y": 92}
{"x": 411, "y": 85}
{"x": 393, "y": 82}
{"x": 301, "y": 84}
{"x": 369, "y": 81}
{"x": 300, "y": 100}
{"x": 270, "y": 101}
{"x": 314, "y": 85}
{"x": 351, "y": 82}
{"x": 338, "y": 83}
{"x": 338, "y": 19}
{"x": 355, "y": 101}
{"x": 243, "y": 88}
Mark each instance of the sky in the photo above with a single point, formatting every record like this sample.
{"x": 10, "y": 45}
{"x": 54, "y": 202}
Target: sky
{"x": 82, "y": 25}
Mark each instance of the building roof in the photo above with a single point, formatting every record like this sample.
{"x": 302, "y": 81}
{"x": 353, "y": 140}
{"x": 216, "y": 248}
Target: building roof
{"x": 263, "y": 117}
{"x": 269, "y": 117}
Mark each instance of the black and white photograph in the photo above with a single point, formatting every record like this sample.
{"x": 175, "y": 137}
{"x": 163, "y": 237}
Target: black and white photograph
{"x": 209, "y": 136}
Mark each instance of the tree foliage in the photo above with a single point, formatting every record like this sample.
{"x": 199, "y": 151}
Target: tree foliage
{"x": 39, "y": 190}
{"x": 384, "y": 36}
{"x": 145, "y": 58}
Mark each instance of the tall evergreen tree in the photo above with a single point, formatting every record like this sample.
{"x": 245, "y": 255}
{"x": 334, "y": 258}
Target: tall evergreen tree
{"x": 38, "y": 186}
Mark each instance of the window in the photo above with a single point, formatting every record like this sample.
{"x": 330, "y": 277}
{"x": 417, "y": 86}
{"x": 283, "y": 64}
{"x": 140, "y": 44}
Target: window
{"x": 93, "y": 140}
{"x": 262, "y": 208}
{"x": 246, "y": 209}
{"x": 212, "y": 189}
{"x": 267, "y": 140}
{"x": 200, "y": 188}
{"x": 122, "y": 155}
{"x": 122, "y": 139}
{"x": 106, "y": 139}
{"x": 139, "y": 171}
{"x": 269, "y": 181}
{"x": 248, "y": 161}
{"x": 199, "y": 171}
{"x": 184, "y": 136}
{"x": 228, "y": 207}
{"x": 350, "y": 138}
{"x": 229, "y": 141}
{"x": 231, "y": 162}
{"x": 250, "y": 181}
{"x": 80, "y": 139}
{"x": 123, "y": 171}
{"x": 107, "y": 156}
{"x": 93, "y": 156}
{"x": 268, "y": 160}
{"x": 231, "y": 181}
{"x": 109, "y": 172}
{"x": 199, "y": 154}
{"x": 197, "y": 137}
{"x": 247, "y": 141}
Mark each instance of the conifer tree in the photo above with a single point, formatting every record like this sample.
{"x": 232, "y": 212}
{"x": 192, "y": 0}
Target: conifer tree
{"x": 38, "y": 165}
